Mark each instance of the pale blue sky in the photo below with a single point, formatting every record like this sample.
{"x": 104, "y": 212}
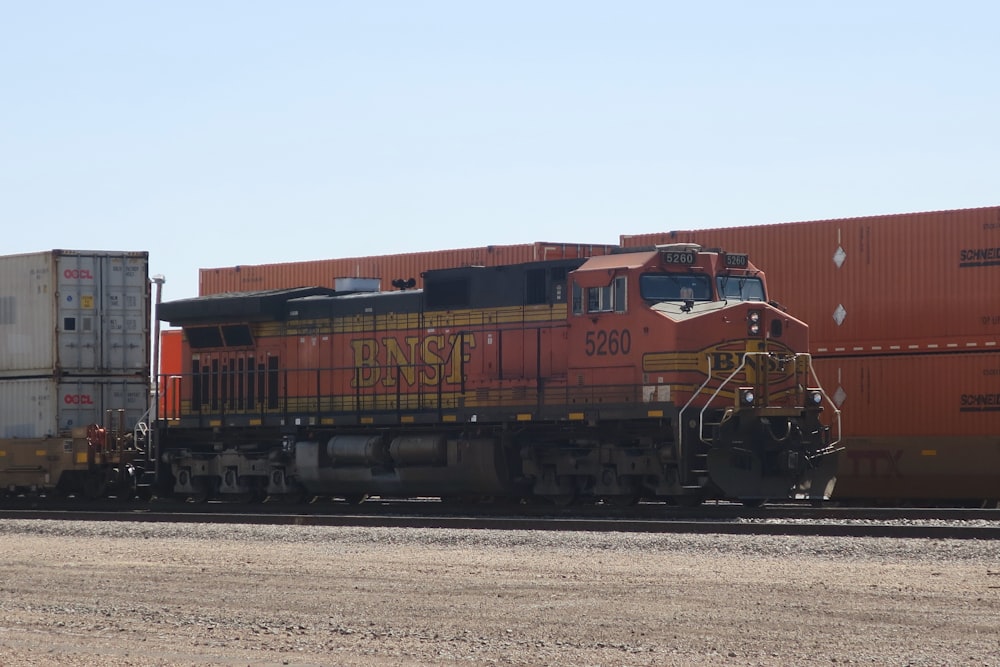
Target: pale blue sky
{"x": 217, "y": 133}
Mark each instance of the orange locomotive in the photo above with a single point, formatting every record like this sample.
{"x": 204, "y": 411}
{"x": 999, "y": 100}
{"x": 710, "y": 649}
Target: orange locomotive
{"x": 661, "y": 373}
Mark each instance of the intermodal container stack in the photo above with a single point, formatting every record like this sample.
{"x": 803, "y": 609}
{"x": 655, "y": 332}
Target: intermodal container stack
{"x": 74, "y": 340}
{"x": 384, "y": 268}
{"x": 904, "y": 317}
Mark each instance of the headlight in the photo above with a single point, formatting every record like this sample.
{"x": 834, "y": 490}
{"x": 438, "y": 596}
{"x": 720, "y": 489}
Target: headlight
{"x": 746, "y": 397}
{"x": 815, "y": 397}
{"x": 753, "y": 322}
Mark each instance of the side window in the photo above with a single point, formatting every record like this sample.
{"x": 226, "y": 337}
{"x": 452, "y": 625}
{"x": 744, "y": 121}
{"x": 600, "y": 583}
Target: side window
{"x": 598, "y": 299}
{"x": 621, "y": 302}
{"x": 610, "y": 298}
{"x": 577, "y": 299}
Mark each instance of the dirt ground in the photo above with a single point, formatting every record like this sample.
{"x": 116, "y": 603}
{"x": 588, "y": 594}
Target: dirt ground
{"x": 142, "y": 594}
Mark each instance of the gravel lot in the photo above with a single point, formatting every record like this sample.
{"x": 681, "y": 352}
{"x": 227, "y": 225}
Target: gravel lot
{"x": 200, "y": 594}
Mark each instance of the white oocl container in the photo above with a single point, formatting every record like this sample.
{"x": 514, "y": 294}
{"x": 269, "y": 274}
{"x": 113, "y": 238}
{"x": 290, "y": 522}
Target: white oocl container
{"x": 74, "y": 312}
{"x": 49, "y": 407}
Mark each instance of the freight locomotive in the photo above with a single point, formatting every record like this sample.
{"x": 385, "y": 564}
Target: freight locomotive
{"x": 661, "y": 373}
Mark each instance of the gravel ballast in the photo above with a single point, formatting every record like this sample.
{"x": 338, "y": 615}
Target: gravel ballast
{"x": 204, "y": 594}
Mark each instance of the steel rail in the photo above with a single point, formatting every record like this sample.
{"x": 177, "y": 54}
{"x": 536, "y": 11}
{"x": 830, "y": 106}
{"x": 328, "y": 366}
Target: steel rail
{"x": 412, "y": 507}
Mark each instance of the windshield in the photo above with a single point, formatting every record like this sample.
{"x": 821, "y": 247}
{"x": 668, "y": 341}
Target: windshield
{"x": 675, "y": 287}
{"x": 740, "y": 288}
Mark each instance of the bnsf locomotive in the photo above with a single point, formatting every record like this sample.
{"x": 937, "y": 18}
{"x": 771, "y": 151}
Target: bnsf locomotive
{"x": 662, "y": 373}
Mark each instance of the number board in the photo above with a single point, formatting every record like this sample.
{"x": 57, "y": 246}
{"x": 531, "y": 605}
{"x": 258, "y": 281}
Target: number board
{"x": 737, "y": 260}
{"x": 683, "y": 257}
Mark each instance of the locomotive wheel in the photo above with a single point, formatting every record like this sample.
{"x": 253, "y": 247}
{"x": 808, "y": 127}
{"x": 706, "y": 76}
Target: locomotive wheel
{"x": 753, "y": 502}
{"x": 462, "y": 501}
{"x": 94, "y": 487}
{"x": 297, "y": 494}
{"x": 693, "y": 500}
{"x": 627, "y": 500}
{"x": 563, "y": 499}
{"x": 355, "y": 498}
{"x": 201, "y": 490}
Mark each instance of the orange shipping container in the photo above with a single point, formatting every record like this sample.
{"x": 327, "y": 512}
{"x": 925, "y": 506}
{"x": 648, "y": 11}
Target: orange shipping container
{"x": 921, "y": 426}
{"x": 912, "y": 282}
{"x": 386, "y": 268}
{"x": 171, "y": 370}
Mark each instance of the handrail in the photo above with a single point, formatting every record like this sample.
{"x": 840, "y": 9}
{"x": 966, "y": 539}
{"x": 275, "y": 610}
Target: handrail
{"x": 694, "y": 395}
{"x": 701, "y": 415}
{"x": 836, "y": 410}
{"x": 794, "y": 358}
{"x": 142, "y": 426}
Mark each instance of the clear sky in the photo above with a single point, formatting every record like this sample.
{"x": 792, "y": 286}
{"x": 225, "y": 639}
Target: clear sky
{"x": 216, "y": 133}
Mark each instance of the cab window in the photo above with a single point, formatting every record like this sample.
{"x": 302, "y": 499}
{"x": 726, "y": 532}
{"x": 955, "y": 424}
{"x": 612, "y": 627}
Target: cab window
{"x": 732, "y": 288}
{"x": 675, "y": 287}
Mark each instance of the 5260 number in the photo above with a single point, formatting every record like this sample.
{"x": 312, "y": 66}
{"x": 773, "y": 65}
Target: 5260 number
{"x": 603, "y": 343}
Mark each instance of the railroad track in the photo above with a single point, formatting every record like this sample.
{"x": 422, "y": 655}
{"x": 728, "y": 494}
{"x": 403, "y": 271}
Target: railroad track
{"x": 417, "y": 506}
{"x": 733, "y": 520}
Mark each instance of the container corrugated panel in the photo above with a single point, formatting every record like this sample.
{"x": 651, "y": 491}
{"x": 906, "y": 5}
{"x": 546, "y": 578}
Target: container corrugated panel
{"x": 385, "y": 268}
{"x": 47, "y": 407}
{"x": 74, "y": 312}
{"x": 917, "y": 426}
{"x": 912, "y": 282}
